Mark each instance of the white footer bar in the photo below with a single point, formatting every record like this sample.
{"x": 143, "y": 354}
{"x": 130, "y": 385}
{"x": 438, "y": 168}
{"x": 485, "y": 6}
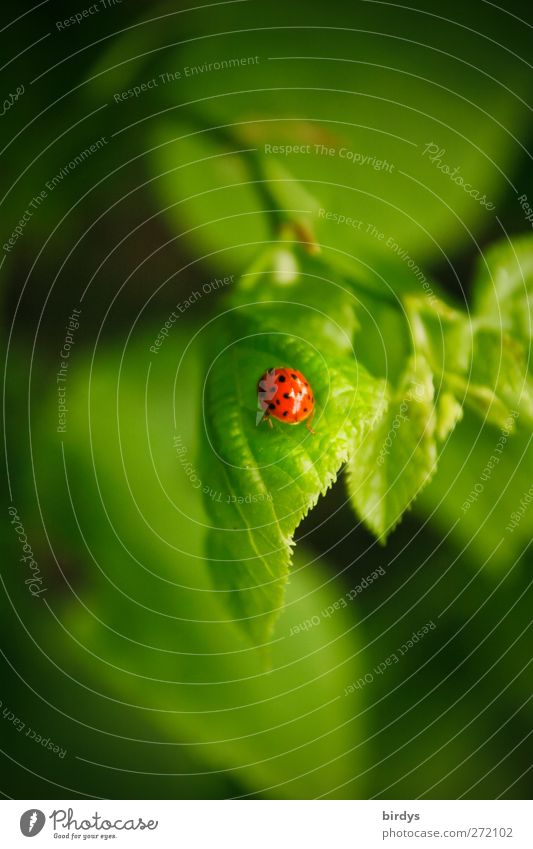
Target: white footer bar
{"x": 267, "y": 824}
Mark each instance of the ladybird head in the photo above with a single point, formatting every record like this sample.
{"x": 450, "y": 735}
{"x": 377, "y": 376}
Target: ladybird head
{"x": 266, "y": 391}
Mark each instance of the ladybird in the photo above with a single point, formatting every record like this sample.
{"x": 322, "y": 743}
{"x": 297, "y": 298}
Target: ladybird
{"x": 285, "y": 394}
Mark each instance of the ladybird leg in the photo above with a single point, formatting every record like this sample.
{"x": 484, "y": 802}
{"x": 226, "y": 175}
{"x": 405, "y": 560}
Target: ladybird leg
{"x": 308, "y": 423}
{"x": 269, "y": 420}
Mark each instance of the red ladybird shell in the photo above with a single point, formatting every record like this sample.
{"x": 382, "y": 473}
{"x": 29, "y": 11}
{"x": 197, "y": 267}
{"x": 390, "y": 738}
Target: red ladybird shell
{"x": 285, "y": 394}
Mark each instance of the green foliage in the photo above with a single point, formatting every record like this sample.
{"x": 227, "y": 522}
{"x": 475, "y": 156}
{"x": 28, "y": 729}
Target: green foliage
{"x": 289, "y": 310}
{"x": 485, "y": 492}
{"x": 262, "y": 482}
{"x": 484, "y": 366}
{"x": 503, "y": 287}
{"x": 142, "y": 625}
{"x": 268, "y": 173}
{"x": 390, "y": 466}
{"x": 330, "y": 153}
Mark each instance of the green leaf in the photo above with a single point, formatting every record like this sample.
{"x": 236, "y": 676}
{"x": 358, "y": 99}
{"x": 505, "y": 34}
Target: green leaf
{"x": 373, "y": 146}
{"x": 497, "y": 383}
{"x": 442, "y": 334}
{"x": 288, "y": 291}
{"x": 479, "y": 363}
{"x": 260, "y": 483}
{"x": 396, "y": 460}
{"x": 483, "y": 493}
{"x": 503, "y": 286}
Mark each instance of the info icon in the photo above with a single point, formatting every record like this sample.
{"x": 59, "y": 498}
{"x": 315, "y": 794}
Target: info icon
{"x": 32, "y": 822}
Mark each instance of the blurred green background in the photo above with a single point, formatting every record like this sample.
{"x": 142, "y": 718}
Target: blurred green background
{"x": 128, "y": 662}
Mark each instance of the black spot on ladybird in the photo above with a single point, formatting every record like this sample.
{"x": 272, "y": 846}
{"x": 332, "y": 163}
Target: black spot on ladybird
{"x": 272, "y": 406}
{"x": 281, "y": 378}
{"x": 294, "y": 376}
{"x": 285, "y": 413}
{"x": 286, "y": 395}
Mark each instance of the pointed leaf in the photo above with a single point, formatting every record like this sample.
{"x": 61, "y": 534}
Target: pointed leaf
{"x": 394, "y": 461}
{"x": 262, "y": 481}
